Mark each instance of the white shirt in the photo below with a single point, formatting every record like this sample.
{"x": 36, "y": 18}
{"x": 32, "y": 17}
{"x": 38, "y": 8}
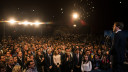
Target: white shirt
{"x": 77, "y": 56}
{"x": 57, "y": 59}
{"x": 86, "y": 66}
{"x": 118, "y": 31}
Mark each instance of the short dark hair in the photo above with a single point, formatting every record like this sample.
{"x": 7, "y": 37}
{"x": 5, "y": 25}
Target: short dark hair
{"x": 58, "y": 48}
{"x": 2, "y": 65}
{"x": 120, "y": 25}
{"x": 77, "y": 49}
{"x": 1, "y": 55}
{"x": 28, "y": 63}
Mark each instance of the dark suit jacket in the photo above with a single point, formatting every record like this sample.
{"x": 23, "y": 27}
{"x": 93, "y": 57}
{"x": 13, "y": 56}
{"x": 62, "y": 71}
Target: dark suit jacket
{"x": 39, "y": 63}
{"x": 47, "y": 60}
{"x": 118, "y": 47}
{"x": 68, "y": 65}
{"x": 75, "y": 60}
{"x": 8, "y": 69}
{"x": 21, "y": 62}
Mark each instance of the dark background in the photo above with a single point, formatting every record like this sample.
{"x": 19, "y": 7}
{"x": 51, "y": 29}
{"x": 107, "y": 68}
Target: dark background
{"x": 104, "y": 14}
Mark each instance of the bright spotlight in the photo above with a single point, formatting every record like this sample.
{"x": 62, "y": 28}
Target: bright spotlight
{"x": 12, "y": 21}
{"x": 75, "y": 15}
{"x": 25, "y": 22}
{"x": 19, "y": 23}
{"x": 31, "y": 24}
{"x": 74, "y": 25}
{"x": 37, "y": 23}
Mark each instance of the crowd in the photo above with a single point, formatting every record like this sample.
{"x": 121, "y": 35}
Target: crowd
{"x": 59, "y": 53}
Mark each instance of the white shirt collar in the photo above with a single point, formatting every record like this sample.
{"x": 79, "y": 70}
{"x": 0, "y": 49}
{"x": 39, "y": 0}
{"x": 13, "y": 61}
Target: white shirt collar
{"x": 118, "y": 31}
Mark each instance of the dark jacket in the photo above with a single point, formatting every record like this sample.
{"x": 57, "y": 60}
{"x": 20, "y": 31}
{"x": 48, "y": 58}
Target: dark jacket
{"x": 48, "y": 62}
{"x": 77, "y": 63}
{"x": 118, "y": 47}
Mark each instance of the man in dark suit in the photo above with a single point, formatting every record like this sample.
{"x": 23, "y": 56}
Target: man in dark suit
{"x": 68, "y": 63}
{"x": 77, "y": 58}
{"x": 20, "y": 59}
{"x": 62, "y": 59}
{"x": 40, "y": 61}
{"x": 118, "y": 47}
{"x": 49, "y": 61}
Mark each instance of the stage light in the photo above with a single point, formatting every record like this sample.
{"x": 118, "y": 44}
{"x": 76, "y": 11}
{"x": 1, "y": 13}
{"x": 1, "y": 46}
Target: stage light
{"x": 74, "y": 25}
{"x": 75, "y": 15}
{"x": 31, "y": 24}
{"x": 25, "y": 22}
{"x": 19, "y": 23}
{"x": 12, "y": 21}
{"x": 37, "y": 23}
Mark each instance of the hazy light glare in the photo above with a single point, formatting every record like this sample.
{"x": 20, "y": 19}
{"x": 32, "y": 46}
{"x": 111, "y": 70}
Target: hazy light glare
{"x": 75, "y": 15}
{"x": 19, "y": 23}
{"x": 12, "y": 21}
{"x": 74, "y": 25}
{"x": 37, "y": 23}
{"x": 31, "y": 24}
{"x": 25, "y": 22}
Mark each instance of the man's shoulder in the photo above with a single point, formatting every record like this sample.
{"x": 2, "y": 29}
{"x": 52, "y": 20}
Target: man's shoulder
{"x": 122, "y": 33}
{"x": 29, "y": 70}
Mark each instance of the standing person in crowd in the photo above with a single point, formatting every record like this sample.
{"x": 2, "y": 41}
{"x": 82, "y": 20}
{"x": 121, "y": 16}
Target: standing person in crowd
{"x": 86, "y": 65}
{"x": 17, "y": 68}
{"x": 96, "y": 64}
{"x": 77, "y": 58}
{"x": 20, "y": 59}
{"x": 118, "y": 47}
{"x": 2, "y": 68}
{"x": 15, "y": 60}
{"x": 10, "y": 64}
{"x": 40, "y": 62}
{"x": 49, "y": 61}
{"x": 105, "y": 63}
{"x": 62, "y": 59}
{"x": 2, "y": 59}
{"x": 99, "y": 53}
{"x": 68, "y": 62}
{"x": 57, "y": 61}
{"x": 31, "y": 67}
{"x": 88, "y": 54}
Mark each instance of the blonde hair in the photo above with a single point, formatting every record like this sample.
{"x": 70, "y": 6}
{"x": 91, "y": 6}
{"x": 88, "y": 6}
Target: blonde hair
{"x": 17, "y": 68}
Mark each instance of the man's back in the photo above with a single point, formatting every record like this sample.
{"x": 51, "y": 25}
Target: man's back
{"x": 119, "y": 46}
